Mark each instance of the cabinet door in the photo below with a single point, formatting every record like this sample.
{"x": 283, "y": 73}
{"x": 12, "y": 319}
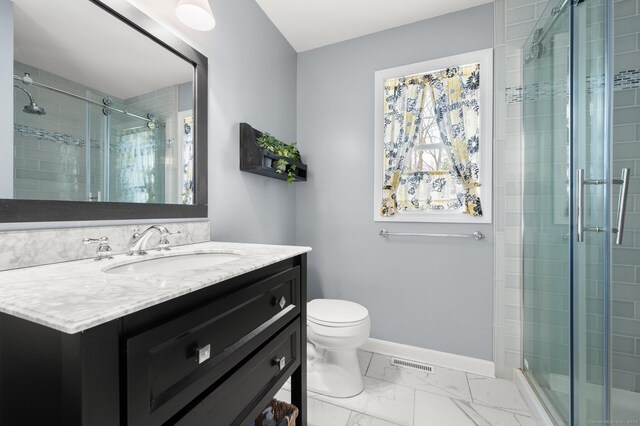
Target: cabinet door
{"x": 169, "y": 365}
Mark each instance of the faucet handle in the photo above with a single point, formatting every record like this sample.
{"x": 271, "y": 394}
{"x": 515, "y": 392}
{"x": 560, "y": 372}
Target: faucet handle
{"x": 104, "y": 249}
{"x": 164, "y": 244}
{"x": 135, "y": 236}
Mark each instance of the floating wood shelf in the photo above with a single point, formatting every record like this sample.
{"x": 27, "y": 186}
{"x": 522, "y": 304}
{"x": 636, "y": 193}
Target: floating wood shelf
{"x": 253, "y": 158}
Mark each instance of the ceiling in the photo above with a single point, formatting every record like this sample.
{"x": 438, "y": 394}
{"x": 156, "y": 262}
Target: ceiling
{"x": 308, "y": 24}
{"x": 79, "y": 41}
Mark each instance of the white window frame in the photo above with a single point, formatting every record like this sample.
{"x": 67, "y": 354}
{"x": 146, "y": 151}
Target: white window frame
{"x": 485, "y": 59}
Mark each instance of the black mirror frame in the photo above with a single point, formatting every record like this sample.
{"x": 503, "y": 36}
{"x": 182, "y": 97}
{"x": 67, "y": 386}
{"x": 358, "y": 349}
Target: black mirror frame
{"x": 12, "y": 211}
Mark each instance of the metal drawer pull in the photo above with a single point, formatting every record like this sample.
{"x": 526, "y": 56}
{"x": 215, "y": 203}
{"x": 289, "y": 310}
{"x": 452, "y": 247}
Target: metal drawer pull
{"x": 280, "y": 362}
{"x": 622, "y": 204}
{"x": 203, "y": 354}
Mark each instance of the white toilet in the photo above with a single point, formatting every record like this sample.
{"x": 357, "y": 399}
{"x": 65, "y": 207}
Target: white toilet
{"x": 335, "y": 329}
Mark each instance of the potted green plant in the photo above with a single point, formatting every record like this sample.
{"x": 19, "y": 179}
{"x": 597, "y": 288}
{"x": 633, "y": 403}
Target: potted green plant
{"x": 285, "y": 152}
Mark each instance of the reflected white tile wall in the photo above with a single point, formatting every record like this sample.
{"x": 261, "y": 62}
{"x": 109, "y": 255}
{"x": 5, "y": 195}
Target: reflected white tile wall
{"x": 20, "y": 249}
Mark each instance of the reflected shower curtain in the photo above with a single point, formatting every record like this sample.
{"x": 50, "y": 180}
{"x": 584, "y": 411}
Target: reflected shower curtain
{"x": 136, "y": 161}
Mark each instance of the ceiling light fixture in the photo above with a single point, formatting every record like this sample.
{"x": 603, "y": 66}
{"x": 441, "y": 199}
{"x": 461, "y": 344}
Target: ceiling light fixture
{"x": 196, "y": 14}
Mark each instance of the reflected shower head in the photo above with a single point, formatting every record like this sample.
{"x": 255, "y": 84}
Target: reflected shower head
{"x": 32, "y": 108}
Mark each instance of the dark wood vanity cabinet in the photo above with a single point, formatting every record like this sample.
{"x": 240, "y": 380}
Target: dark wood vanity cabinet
{"x": 215, "y": 356}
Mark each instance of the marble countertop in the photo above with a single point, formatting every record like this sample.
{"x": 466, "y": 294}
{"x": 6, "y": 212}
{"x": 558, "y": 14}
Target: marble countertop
{"x": 75, "y": 296}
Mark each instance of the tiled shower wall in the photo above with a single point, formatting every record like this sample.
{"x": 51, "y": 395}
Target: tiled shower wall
{"x": 626, "y": 154}
{"x": 514, "y": 21}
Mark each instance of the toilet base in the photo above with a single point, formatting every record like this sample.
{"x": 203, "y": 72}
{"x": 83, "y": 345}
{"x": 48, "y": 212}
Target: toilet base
{"x": 334, "y": 373}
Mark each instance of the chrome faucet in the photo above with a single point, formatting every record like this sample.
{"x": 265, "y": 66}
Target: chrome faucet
{"x": 139, "y": 240}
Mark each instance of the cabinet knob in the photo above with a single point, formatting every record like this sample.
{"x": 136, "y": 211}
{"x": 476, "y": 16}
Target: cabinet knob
{"x": 280, "y": 362}
{"x": 282, "y": 302}
{"x": 203, "y": 354}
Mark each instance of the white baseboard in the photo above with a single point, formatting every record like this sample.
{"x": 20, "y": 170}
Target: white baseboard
{"x": 531, "y": 399}
{"x": 443, "y": 359}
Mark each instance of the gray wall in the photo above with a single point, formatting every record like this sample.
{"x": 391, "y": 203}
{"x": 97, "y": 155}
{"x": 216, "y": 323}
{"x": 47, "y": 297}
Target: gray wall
{"x": 6, "y": 94}
{"x": 431, "y": 293}
{"x": 253, "y": 80}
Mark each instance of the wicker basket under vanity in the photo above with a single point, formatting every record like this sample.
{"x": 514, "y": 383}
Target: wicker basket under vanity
{"x": 280, "y": 411}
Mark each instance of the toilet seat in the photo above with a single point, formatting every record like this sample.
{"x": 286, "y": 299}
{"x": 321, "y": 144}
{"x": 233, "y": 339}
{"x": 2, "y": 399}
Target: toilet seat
{"x": 337, "y": 324}
{"x": 336, "y": 313}
{"x": 348, "y": 330}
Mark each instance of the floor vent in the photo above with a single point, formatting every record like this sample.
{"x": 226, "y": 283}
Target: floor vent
{"x": 412, "y": 364}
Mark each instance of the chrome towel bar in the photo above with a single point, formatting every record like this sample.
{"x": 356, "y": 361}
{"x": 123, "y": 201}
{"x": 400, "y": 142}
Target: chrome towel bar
{"x": 476, "y": 235}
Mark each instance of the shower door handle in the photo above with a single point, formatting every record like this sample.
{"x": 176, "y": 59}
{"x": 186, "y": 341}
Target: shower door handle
{"x": 622, "y": 204}
{"x": 580, "y": 205}
{"x": 581, "y": 182}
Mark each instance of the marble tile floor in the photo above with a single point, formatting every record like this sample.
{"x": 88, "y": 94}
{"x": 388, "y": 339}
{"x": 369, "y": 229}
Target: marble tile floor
{"x": 400, "y": 396}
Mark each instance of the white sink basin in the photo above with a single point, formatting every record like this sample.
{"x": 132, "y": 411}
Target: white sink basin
{"x": 177, "y": 264}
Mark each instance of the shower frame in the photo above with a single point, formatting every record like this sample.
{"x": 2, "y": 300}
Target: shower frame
{"x": 590, "y": 142}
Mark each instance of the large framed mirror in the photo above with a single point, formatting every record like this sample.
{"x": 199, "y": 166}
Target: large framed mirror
{"x": 109, "y": 116}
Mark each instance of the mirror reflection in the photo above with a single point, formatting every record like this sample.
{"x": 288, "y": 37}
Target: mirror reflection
{"x": 94, "y": 118}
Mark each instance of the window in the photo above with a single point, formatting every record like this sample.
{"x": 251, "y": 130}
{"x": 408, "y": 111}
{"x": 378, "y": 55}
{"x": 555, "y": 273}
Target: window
{"x": 433, "y": 141}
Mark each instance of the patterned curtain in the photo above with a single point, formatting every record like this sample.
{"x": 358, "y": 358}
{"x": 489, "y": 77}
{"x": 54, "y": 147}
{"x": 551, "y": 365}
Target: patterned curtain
{"x": 404, "y": 100}
{"x": 456, "y": 102}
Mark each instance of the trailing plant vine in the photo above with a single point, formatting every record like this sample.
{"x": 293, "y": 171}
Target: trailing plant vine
{"x": 273, "y": 145}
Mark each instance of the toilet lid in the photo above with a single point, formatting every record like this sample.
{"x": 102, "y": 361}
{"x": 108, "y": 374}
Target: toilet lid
{"x": 336, "y": 311}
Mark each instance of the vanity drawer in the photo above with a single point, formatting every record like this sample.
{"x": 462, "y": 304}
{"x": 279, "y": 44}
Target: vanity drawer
{"x": 234, "y": 400}
{"x": 165, "y": 370}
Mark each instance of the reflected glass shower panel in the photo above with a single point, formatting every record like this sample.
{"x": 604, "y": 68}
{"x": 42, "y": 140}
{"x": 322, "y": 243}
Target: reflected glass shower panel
{"x": 137, "y": 158}
{"x": 73, "y": 143}
{"x": 95, "y": 131}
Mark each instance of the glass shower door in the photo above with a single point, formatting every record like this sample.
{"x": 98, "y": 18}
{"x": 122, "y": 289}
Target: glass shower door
{"x": 566, "y": 213}
{"x": 547, "y": 211}
{"x": 592, "y": 236}
{"x": 590, "y": 283}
